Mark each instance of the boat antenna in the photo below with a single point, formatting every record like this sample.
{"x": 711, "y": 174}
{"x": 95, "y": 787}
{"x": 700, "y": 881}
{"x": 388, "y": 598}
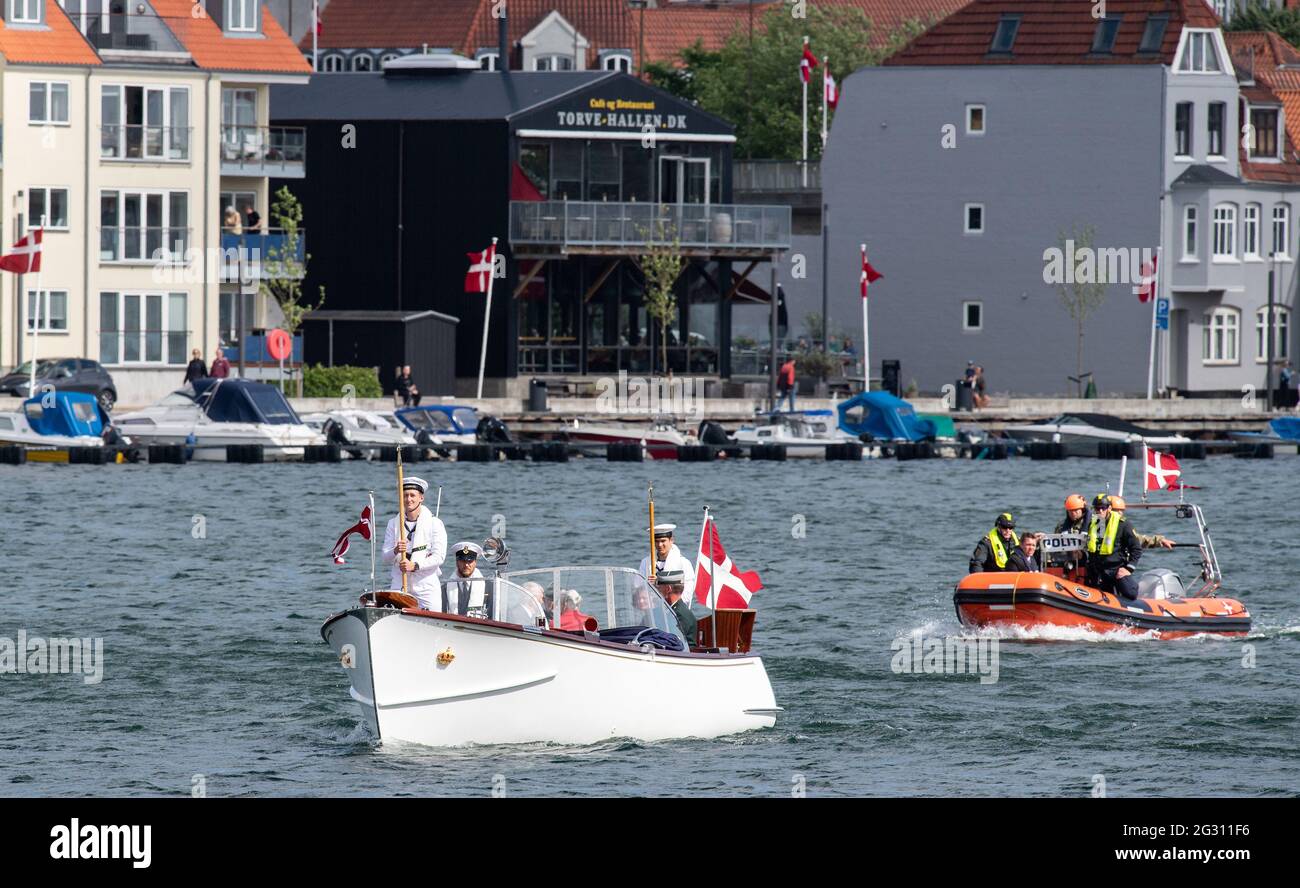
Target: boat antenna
{"x": 1123, "y": 470}
{"x": 401, "y": 513}
{"x": 373, "y": 587}
{"x": 651, "y": 497}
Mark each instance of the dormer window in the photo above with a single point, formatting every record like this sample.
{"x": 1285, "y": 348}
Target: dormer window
{"x": 1103, "y": 41}
{"x": 241, "y": 15}
{"x": 1005, "y": 36}
{"x": 26, "y": 12}
{"x": 617, "y": 61}
{"x": 1200, "y": 54}
{"x": 488, "y": 60}
{"x": 553, "y": 63}
{"x": 1263, "y": 133}
{"x": 1153, "y": 35}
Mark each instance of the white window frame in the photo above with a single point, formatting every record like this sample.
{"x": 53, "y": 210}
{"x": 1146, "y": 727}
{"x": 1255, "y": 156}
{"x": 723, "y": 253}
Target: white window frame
{"x": 1190, "y": 219}
{"x": 143, "y": 332}
{"x": 552, "y": 60}
{"x": 1215, "y": 351}
{"x": 33, "y": 219}
{"x": 48, "y": 90}
{"x": 1250, "y": 232}
{"x": 984, "y": 120}
{"x": 488, "y": 60}
{"x": 28, "y": 324}
{"x": 169, "y": 257}
{"x": 333, "y": 63}
{"x": 356, "y": 66}
{"x": 1279, "y": 129}
{"x": 1221, "y": 157}
{"x": 1191, "y": 57}
{"x": 1223, "y": 243}
{"x": 965, "y": 316}
{"x": 167, "y": 127}
{"x": 617, "y": 61}
{"x": 1281, "y": 334}
{"x": 965, "y": 218}
{"x": 1191, "y": 131}
{"x": 25, "y": 12}
{"x": 1282, "y": 222}
{"x": 239, "y": 11}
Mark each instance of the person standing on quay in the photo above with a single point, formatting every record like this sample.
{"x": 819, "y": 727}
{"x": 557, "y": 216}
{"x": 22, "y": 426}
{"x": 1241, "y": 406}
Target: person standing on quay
{"x": 220, "y": 368}
{"x": 785, "y": 384}
{"x": 196, "y": 369}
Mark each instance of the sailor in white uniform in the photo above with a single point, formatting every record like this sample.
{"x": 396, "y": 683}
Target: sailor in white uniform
{"x": 424, "y": 541}
{"x": 668, "y": 557}
{"x": 466, "y": 593}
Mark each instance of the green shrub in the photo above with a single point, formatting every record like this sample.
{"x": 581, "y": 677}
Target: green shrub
{"x": 329, "y": 382}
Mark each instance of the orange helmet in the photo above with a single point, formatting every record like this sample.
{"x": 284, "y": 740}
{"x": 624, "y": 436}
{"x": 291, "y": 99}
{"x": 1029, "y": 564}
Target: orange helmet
{"x": 1075, "y": 501}
{"x": 1117, "y": 503}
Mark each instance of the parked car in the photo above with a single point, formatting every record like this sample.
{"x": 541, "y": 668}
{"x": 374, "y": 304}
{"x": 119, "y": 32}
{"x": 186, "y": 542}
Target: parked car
{"x": 65, "y": 374}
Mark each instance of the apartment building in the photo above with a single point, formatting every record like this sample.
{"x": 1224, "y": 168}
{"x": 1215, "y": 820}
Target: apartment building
{"x": 131, "y": 127}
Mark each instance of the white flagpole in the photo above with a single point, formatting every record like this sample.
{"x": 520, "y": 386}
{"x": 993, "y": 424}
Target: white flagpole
{"x": 315, "y": 35}
{"x": 805, "y": 113}
{"x": 866, "y": 343}
{"x": 374, "y": 524}
{"x": 1123, "y": 470}
{"x": 1146, "y": 463}
{"x": 36, "y": 323}
{"x": 713, "y": 569}
{"x": 1155, "y": 302}
{"x": 487, "y": 315}
{"x": 826, "y": 70}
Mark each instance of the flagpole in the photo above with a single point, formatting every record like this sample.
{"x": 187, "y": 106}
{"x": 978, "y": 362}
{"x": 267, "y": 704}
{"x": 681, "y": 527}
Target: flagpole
{"x": 38, "y": 237}
{"x": 866, "y": 343}
{"x": 1155, "y": 301}
{"x": 651, "y": 497}
{"x": 374, "y": 522}
{"x": 487, "y": 315}
{"x": 401, "y": 512}
{"x": 315, "y": 35}
{"x": 1123, "y": 470}
{"x": 713, "y": 569}
{"x": 826, "y": 72}
{"x": 805, "y": 117}
{"x": 1146, "y": 468}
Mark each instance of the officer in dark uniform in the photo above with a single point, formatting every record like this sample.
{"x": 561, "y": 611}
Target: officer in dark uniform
{"x": 1113, "y": 550}
{"x": 1022, "y": 558}
{"x": 994, "y": 548}
{"x": 671, "y": 584}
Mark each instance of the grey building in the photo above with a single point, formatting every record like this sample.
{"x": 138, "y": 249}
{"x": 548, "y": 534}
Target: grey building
{"x": 968, "y": 158}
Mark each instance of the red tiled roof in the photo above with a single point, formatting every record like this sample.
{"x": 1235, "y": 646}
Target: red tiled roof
{"x": 1052, "y": 32}
{"x": 1275, "y": 66}
{"x": 273, "y": 52}
{"x": 60, "y": 44}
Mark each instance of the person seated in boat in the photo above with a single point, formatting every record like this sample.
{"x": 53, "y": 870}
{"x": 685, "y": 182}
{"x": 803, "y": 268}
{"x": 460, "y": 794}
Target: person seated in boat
{"x": 419, "y": 548}
{"x": 669, "y": 557}
{"x": 1113, "y": 550}
{"x": 544, "y": 601}
{"x": 1022, "y": 558}
{"x": 993, "y": 550}
{"x": 641, "y": 614}
{"x": 467, "y": 593}
{"x": 570, "y": 616}
{"x": 671, "y": 585}
{"x": 1149, "y": 540}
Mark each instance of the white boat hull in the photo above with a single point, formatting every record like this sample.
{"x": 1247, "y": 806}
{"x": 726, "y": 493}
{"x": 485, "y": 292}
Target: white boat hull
{"x": 507, "y": 684}
{"x": 280, "y": 442}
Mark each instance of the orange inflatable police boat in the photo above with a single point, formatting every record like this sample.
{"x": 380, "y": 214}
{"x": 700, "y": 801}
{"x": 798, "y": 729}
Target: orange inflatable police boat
{"x": 1056, "y": 596}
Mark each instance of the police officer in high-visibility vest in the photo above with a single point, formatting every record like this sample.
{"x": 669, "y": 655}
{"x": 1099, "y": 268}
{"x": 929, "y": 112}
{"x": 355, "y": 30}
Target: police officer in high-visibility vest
{"x": 994, "y": 548}
{"x": 1113, "y": 550}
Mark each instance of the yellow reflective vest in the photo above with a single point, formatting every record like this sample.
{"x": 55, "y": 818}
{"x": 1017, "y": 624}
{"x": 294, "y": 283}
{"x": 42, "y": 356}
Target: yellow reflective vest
{"x": 1108, "y": 541}
{"x": 999, "y": 550}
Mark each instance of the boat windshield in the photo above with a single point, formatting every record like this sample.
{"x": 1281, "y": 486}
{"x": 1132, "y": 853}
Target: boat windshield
{"x": 614, "y": 597}
{"x": 431, "y": 420}
{"x": 372, "y": 421}
{"x": 466, "y": 418}
{"x": 495, "y": 598}
{"x": 179, "y": 398}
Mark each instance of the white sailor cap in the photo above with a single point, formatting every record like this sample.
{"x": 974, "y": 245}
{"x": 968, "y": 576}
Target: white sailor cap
{"x": 467, "y": 551}
{"x": 670, "y": 577}
{"x": 664, "y": 530}
{"x": 413, "y": 483}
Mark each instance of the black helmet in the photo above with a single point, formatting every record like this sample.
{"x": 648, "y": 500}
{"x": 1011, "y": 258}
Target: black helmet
{"x": 1005, "y": 520}
{"x": 1101, "y": 501}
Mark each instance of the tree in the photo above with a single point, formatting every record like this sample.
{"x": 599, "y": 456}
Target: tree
{"x": 1260, "y": 16}
{"x": 661, "y": 265}
{"x": 1080, "y": 299}
{"x": 284, "y": 270}
{"x": 759, "y": 91}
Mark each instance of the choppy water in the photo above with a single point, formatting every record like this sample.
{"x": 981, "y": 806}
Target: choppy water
{"x": 214, "y": 665}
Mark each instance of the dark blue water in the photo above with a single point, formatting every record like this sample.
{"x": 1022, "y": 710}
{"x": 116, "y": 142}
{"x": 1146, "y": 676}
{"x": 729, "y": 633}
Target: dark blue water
{"x": 215, "y": 673}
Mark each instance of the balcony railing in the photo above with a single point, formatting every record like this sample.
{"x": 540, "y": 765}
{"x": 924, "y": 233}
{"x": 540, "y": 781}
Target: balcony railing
{"x": 264, "y": 151}
{"x": 143, "y": 244}
{"x": 261, "y": 255}
{"x": 631, "y": 226}
{"x": 138, "y": 141}
{"x": 776, "y": 175}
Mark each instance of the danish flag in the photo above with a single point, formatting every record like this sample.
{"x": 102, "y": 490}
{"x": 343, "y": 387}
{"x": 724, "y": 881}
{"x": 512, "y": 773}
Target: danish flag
{"x": 1148, "y": 286}
{"x": 362, "y": 527}
{"x": 480, "y": 270}
{"x": 26, "y": 255}
{"x": 832, "y": 88}
{"x": 807, "y": 63}
{"x": 734, "y": 587}
{"x": 869, "y": 274}
{"x": 1163, "y": 471}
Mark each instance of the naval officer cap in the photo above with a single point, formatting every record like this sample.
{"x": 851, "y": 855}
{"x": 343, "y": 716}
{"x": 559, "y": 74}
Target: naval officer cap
{"x": 664, "y": 530}
{"x": 413, "y": 483}
{"x": 467, "y": 551}
{"x": 671, "y": 578}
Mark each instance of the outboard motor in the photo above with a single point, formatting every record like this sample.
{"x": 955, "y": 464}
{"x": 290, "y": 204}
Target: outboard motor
{"x": 425, "y": 437}
{"x": 712, "y": 433}
{"x": 1160, "y": 583}
{"x": 491, "y": 430}
{"x": 334, "y": 433}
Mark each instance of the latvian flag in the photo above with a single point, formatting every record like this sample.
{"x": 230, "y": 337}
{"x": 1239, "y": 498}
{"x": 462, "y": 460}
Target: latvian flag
{"x": 807, "y": 63}
{"x": 734, "y": 587}
{"x": 480, "y": 270}
{"x": 26, "y": 255}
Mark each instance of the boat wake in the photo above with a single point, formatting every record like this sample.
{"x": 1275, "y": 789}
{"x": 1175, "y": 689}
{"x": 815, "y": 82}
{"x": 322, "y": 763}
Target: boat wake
{"x": 1262, "y": 632}
{"x": 1078, "y": 634}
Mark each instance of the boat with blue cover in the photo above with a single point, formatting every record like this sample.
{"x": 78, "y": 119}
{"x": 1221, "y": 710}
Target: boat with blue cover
{"x": 55, "y": 419}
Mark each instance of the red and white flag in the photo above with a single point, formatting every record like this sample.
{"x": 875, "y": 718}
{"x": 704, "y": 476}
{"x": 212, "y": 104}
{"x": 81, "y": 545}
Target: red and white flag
{"x": 26, "y": 255}
{"x": 807, "y": 63}
{"x": 315, "y": 14}
{"x": 1147, "y": 288}
{"x": 734, "y": 587}
{"x": 869, "y": 274}
{"x": 362, "y": 527}
{"x": 832, "y": 88}
{"x": 1163, "y": 471}
{"x": 480, "y": 270}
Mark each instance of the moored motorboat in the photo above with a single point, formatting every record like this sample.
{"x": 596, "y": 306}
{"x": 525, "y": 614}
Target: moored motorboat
{"x": 507, "y": 673}
{"x": 54, "y": 419}
{"x": 1081, "y": 433}
{"x": 659, "y": 438}
{"x": 804, "y": 433}
{"x": 1059, "y": 597}
{"x": 361, "y": 432}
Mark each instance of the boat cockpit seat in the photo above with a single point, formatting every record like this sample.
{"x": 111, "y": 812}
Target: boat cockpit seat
{"x": 1160, "y": 583}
